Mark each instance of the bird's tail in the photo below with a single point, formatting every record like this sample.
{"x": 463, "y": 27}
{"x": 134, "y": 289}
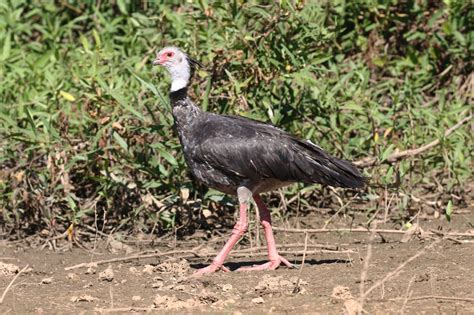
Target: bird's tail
{"x": 331, "y": 170}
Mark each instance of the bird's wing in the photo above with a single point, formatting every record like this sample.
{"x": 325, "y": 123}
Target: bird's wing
{"x": 253, "y": 150}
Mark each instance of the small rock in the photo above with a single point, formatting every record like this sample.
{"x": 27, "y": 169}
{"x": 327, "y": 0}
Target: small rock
{"x": 352, "y": 307}
{"x": 46, "y": 280}
{"x": 107, "y": 275}
{"x": 258, "y": 300}
{"x": 176, "y": 268}
{"x": 148, "y": 269}
{"x": 299, "y": 290}
{"x": 164, "y": 301}
{"x": 158, "y": 282}
{"x": 83, "y": 298}
{"x": 133, "y": 270}
{"x": 8, "y": 269}
{"x": 226, "y": 287}
{"x": 270, "y": 283}
{"x": 136, "y": 298}
{"x": 229, "y": 301}
{"x": 208, "y": 297}
{"x": 123, "y": 281}
{"x": 180, "y": 287}
{"x": 294, "y": 280}
{"x": 157, "y": 285}
{"x": 87, "y": 286}
{"x": 91, "y": 269}
{"x": 184, "y": 192}
{"x": 341, "y": 293}
{"x": 72, "y": 276}
{"x": 119, "y": 246}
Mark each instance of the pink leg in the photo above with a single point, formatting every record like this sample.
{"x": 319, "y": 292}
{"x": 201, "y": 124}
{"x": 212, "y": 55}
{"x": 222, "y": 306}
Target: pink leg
{"x": 266, "y": 221}
{"x": 239, "y": 230}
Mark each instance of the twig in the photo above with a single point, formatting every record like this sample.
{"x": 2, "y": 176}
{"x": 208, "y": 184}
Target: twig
{"x": 452, "y": 234}
{"x": 111, "y": 294}
{"x": 125, "y": 309}
{"x": 407, "y": 295}
{"x": 296, "y": 252}
{"x": 193, "y": 253}
{"x": 54, "y": 238}
{"x": 95, "y": 230}
{"x": 11, "y": 283}
{"x": 419, "y": 200}
{"x": 400, "y": 267}
{"x": 344, "y": 206}
{"x": 370, "y": 161}
{"x": 438, "y": 297}
{"x": 364, "y": 230}
{"x": 297, "y": 286}
{"x": 133, "y": 257}
{"x": 365, "y": 268}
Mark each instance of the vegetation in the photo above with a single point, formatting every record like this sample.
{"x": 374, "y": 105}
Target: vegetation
{"x": 86, "y": 131}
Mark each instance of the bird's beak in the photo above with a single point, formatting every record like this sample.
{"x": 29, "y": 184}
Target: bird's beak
{"x": 160, "y": 60}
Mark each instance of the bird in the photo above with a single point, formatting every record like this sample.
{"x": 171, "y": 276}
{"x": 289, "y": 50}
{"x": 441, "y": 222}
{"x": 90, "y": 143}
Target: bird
{"x": 245, "y": 158}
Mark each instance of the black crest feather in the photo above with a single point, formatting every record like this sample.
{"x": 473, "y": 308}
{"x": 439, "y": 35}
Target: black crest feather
{"x": 193, "y": 64}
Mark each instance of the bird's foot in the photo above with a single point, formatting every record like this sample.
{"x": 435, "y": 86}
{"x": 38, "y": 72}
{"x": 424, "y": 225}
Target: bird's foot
{"x": 271, "y": 265}
{"x": 209, "y": 269}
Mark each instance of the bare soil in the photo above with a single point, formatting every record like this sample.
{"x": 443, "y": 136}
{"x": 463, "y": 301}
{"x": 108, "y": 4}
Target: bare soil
{"x": 441, "y": 280}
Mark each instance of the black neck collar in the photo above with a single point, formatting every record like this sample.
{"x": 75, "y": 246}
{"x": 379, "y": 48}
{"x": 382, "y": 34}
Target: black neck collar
{"x": 179, "y": 95}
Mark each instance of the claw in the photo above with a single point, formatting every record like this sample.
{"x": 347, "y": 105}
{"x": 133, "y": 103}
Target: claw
{"x": 271, "y": 265}
{"x": 209, "y": 269}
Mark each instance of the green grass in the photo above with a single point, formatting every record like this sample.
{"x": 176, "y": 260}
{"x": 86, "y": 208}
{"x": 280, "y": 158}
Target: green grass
{"x": 86, "y": 131}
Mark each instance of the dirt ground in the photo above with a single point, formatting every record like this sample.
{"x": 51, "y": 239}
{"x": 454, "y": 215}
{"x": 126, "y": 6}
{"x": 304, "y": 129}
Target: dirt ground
{"x": 440, "y": 280}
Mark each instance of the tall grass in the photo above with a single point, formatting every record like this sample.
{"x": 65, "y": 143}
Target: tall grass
{"x": 86, "y": 131}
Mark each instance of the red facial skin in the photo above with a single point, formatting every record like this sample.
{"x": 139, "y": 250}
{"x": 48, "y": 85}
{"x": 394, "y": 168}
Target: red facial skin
{"x": 164, "y": 57}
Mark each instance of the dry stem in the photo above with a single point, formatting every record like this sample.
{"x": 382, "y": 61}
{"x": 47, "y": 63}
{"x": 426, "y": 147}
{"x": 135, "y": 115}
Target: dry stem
{"x": 399, "y": 268}
{"x": 11, "y": 283}
{"x": 297, "y": 286}
{"x": 125, "y": 309}
{"x": 363, "y": 230}
{"x": 439, "y": 297}
{"x": 194, "y": 253}
{"x": 370, "y": 161}
{"x": 365, "y": 268}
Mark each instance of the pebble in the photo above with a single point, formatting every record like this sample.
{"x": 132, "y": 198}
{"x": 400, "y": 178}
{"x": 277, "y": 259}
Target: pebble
{"x": 46, "y": 280}
{"x": 107, "y": 275}
{"x": 258, "y": 300}
{"x": 148, "y": 269}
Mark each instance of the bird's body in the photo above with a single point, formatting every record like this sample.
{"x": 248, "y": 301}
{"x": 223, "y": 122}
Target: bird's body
{"x": 245, "y": 157}
{"x": 226, "y": 152}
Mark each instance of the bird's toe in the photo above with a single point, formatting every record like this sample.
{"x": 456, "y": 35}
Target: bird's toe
{"x": 209, "y": 269}
{"x": 271, "y": 265}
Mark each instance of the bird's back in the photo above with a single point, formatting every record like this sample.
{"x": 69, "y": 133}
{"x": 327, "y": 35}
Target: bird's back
{"x": 242, "y": 151}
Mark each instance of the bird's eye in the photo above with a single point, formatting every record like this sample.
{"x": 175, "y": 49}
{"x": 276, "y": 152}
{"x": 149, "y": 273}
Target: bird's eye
{"x": 169, "y": 54}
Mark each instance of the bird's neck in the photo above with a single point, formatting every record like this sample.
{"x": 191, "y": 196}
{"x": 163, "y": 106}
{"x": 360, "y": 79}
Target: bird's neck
{"x": 179, "y": 84}
{"x": 180, "y": 76}
{"x": 183, "y": 107}
{"x": 178, "y": 96}
{"x": 185, "y": 114}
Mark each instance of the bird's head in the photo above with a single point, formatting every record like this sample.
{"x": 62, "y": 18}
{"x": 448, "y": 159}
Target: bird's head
{"x": 180, "y": 66}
